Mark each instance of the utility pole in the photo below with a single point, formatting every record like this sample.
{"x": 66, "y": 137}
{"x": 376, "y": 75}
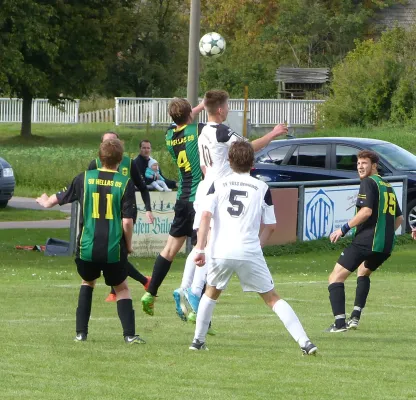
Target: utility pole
{"x": 193, "y": 52}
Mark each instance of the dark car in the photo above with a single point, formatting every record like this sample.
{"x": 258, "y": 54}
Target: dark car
{"x": 312, "y": 159}
{"x": 7, "y": 182}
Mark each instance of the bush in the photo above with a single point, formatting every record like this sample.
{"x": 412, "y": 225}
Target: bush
{"x": 375, "y": 82}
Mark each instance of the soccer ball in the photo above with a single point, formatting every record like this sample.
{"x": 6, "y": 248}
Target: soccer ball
{"x": 212, "y": 45}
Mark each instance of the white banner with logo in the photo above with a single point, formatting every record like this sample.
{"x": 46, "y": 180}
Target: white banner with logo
{"x": 150, "y": 239}
{"x": 328, "y": 208}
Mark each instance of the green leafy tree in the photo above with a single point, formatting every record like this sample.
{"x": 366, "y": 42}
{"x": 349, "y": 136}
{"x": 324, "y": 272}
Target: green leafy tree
{"x": 57, "y": 48}
{"x": 375, "y": 82}
{"x": 153, "y": 60}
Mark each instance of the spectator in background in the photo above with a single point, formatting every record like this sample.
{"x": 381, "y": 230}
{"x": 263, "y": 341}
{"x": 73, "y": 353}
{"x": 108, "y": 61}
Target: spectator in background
{"x": 153, "y": 177}
{"x": 142, "y": 162}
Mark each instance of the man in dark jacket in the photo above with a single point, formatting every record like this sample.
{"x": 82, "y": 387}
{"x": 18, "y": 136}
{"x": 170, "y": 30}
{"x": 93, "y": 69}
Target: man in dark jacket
{"x": 142, "y": 161}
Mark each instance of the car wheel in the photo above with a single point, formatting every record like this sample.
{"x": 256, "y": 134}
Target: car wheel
{"x": 411, "y": 215}
{"x": 3, "y": 204}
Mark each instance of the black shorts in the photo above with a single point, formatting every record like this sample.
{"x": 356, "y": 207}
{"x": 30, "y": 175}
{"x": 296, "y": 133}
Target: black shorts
{"x": 114, "y": 273}
{"x": 353, "y": 256}
{"x": 183, "y": 221}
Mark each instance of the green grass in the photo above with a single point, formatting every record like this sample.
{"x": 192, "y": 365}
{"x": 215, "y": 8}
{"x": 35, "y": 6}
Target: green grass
{"x": 23, "y": 214}
{"x": 56, "y": 153}
{"x": 252, "y": 357}
{"x": 50, "y": 159}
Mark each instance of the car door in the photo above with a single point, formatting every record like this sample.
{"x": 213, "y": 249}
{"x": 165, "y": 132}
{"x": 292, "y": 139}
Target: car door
{"x": 307, "y": 162}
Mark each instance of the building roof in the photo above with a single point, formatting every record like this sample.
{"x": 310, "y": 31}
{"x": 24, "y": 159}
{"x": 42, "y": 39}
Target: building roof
{"x": 302, "y": 75}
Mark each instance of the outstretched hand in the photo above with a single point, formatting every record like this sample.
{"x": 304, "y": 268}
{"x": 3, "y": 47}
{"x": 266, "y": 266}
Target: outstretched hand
{"x": 279, "y": 130}
{"x": 43, "y": 200}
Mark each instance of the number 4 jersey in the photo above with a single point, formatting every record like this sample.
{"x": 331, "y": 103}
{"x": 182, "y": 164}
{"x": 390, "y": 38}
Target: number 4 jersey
{"x": 377, "y": 232}
{"x": 182, "y": 144}
{"x": 106, "y": 197}
{"x": 238, "y": 203}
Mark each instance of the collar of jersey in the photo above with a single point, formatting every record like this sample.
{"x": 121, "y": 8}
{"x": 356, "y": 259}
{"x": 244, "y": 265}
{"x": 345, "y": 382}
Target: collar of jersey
{"x": 180, "y": 129}
{"x": 107, "y": 170}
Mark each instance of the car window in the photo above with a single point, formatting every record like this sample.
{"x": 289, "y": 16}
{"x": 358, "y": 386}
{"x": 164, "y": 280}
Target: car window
{"x": 346, "y": 157}
{"x": 278, "y": 154}
{"x": 312, "y": 156}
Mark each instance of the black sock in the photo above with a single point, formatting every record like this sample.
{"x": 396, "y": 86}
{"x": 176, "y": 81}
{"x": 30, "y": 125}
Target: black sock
{"x": 112, "y": 291}
{"x": 135, "y": 274}
{"x": 84, "y": 309}
{"x": 361, "y": 294}
{"x": 126, "y": 315}
{"x": 160, "y": 270}
{"x": 337, "y": 299}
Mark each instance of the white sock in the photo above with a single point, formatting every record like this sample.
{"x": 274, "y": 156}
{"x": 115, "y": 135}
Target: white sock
{"x": 199, "y": 280}
{"x": 189, "y": 271}
{"x": 204, "y": 316}
{"x": 290, "y": 321}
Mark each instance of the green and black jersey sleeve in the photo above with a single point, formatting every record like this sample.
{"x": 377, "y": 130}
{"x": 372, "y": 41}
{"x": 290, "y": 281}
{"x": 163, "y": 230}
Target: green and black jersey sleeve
{"x": 106, "y": 197}
{"x": 182, "y": 144}
{"x": 377, "y": 232}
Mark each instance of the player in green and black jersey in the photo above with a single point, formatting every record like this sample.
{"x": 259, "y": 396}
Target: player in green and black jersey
{"x": 128, "y": 168}
{"x": 108, "y": 206}
{"x": 182, "y": 144}
{"x": 377, "y": 218}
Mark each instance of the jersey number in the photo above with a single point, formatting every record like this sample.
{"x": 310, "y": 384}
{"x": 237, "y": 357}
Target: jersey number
{"x": 96, "y": 204}
{"x": 183, "y": 161}
{"x": 207, "y": 156}
{"x": 237, "y": 206}
{"x": 389, "y": 203}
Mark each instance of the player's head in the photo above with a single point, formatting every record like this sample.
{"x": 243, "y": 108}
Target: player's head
{"x": 111, "y": 153}
{"x": 216, "y": 103}
{"x": 180, "y": 111}
{"x": 367, "y": 163}
{"x": 241, "y": 156}
{"x": 145, "y": 148}
{"x": 109, "y": 135}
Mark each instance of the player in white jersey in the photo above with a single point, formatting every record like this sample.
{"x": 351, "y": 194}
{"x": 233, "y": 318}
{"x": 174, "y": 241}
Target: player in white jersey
{"x": 238, "y": 203}
{"x": 213, "y": 144}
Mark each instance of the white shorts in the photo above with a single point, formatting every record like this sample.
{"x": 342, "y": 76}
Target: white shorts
{"x": 254, "y": 275}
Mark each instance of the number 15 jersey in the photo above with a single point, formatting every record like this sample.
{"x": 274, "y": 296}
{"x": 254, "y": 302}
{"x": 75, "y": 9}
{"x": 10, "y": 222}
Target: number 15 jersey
{"x": 238, "y": 203}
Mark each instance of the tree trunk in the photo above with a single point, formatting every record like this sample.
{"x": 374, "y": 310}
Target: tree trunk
{"x": 26, "y": 129}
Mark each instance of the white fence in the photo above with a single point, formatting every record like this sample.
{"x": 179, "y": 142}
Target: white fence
{"x": 132, "y": 110}
{"x": 42, "y": 111}
{"x": 97, "y": 116}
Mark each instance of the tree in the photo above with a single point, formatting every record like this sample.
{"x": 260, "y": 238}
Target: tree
{"x": 57, "y": 49}
{"x": 262, "y": 35}
{"x": 153, "y": 60}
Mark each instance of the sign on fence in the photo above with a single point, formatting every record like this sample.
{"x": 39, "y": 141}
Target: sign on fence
{"x": 150, "y": 239}
{"x": 328, "y": 208}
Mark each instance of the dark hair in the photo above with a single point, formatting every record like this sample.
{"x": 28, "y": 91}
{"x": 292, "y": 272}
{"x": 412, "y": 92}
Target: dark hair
{"x": 241, "y": 156}
{"x": 180, "y": 110}
{"x": 215, "y": 99}
{"x": 111, "y": 152}
{"x": 144, "y": 141}
{"x": 372, "y": 155}
{"x": 113, "y": 133}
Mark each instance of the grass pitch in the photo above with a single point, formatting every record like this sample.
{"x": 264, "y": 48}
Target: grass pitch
{"x": 252, "y": 357}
